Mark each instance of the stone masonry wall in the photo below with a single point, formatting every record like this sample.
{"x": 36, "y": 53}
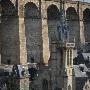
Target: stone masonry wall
{"x": 74, "y": 31}
{"x": 87, "y": 31}
{"x": 33, "y": 39}
{"x": 10, "y": 40}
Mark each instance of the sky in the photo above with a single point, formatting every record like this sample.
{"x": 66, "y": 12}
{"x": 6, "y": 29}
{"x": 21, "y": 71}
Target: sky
{"x": 82, "y": 0}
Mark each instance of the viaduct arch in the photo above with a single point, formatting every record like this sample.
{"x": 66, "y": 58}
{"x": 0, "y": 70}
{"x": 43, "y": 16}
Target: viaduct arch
{"x": 41, "y": 12}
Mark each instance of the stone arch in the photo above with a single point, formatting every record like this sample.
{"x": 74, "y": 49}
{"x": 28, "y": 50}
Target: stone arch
{"x": 53, "y": 17}
{"x": 73, "y": 5}
{"x": 74, "y": 25}
{"x": 53, "y": 12}
{"x": 36, "y": 2}
{"x": 31, "y": 10}
{"x": 33, "y": 31}
{"x": 56, "y": 4}
{"x": 9, "y": 33}
{"x": 44, "y": 84}
{"x": 85, "y": 7}
{"x": 12, "y": 1}
{"x": 86, "y": 15}
{"x": 71, "y": 14}
{"x": 86, "y": 19}
{"x": 8, "y": 8}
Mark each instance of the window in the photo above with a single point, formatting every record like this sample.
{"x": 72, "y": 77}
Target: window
{"x": 69, "y": 87}
{"x": 45, "y": 84}
{"x": 67, "y": 57}
{"x": 70, "y": 57}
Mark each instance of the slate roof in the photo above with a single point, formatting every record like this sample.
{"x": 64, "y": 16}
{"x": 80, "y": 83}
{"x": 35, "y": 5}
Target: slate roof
{"x": 78, "y": 72}
{"x": 86, "y": 56}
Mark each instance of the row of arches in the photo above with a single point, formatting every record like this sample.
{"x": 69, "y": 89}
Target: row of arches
{"x": 33, "y": 28}
{"x": 31, "y": 10}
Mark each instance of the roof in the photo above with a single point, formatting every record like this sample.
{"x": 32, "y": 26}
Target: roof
{"x": 86, "y": 55}
{"x": 78, "y": 72}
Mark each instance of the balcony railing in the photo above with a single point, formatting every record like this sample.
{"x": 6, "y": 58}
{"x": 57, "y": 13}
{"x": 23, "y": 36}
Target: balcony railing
{"x": 65, "y": 45}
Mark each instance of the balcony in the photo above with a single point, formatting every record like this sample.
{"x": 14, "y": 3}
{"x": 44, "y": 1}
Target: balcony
{"x": 32, "y": 65}
{"x": 65, "y": 45}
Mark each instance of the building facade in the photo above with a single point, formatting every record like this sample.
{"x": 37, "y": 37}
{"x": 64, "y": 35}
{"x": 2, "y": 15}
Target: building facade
{"x": 29, "y": 32}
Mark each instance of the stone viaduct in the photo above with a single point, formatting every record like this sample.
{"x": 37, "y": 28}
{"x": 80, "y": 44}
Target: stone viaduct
{"x": 28, "y": 26}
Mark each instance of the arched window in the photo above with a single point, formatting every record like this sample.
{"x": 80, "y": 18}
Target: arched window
{"x": 31, "y": 10}
{"x": 33, "y": 32}
{"x": 53, "y": 12}
{"x": 9, "y": 33}
{"x": 86, "y": 18}
{"x": 45, "y": 84}
{"x": 86, "y": 15}
{"x": 8, "y": 8}
{"x": 74, "y": 24}
{"x": 71, "y": 14}
{"x": 53, "y": 16}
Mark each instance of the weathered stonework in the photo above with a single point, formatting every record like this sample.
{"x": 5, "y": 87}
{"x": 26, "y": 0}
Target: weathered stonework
{"x": 28, "y": 28}
{"x": 41, "y": 29}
